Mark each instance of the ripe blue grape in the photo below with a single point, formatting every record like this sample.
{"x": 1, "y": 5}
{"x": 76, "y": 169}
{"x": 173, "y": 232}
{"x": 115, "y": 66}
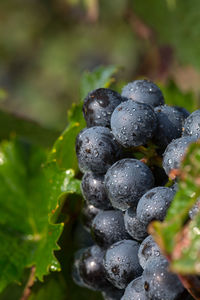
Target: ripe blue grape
{"x": 126, "y": 181}
{"x": 134, "y": 227}
{"x": 121, "y": 263}
{"x": 148, "y": 250}
{"x": 175, "y": 152}
{"x": 133, "y": 123}
{"x": 135, "y": 290}
{"x": 99, "y": 105}
{"x": 159, "y": 282}
{"x": 154, "y": 204}
{"x": 91, "y": 269}
{"x": 96, "y": 149}
{"x": 192, "y": 125}
{"x": 93, "y": 190}
{"x": 144, "y": 91}
{"x": 108, "y": 227}
{"x": 170, "y": 124}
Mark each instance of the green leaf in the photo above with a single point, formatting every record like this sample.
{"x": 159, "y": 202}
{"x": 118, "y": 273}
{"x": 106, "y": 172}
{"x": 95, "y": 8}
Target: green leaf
{"x": 29, "y": 196}
{"x": 173, "y": 96}
{"x": 99, "y": 78}
{"x": 181, "y": 242}
{"x": 186, "y": 256}
{"x": 63, "y": 152}
{"x": 30, "y": 131}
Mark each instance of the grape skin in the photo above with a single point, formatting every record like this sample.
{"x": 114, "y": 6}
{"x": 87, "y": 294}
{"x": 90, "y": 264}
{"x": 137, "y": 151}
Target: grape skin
{"x": 96, "y": 149}
{"x": 144, "y": 91}
{"x": 99, "y": 105}
{"x": 133, "y": 123}
{"x": 108, "y": 227}
{"x": 126, "y": 181}
{"x": 93, "y": 190}
{"x": 121, "y": 263}
{"x": 154, "y": 204}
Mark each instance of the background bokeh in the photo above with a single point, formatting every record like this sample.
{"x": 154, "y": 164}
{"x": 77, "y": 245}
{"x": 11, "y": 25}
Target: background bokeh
{"x": 46, "y": 46}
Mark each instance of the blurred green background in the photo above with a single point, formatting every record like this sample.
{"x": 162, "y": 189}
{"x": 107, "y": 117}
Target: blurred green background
{"x": 46, "y": 46}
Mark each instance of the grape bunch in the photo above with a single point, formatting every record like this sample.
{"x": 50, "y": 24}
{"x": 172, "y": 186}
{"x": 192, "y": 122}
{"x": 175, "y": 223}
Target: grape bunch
{"x": 131, "y": 144}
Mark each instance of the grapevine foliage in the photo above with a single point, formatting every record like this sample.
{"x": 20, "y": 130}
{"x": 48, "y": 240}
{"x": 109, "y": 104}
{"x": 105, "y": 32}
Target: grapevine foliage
{"x": 36, "y": 182}
{"x": 178, "y": 240}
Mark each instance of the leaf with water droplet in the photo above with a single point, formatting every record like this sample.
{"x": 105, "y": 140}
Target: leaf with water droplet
{"x": 179, "y": 241}
{"x": 29, "y": 197}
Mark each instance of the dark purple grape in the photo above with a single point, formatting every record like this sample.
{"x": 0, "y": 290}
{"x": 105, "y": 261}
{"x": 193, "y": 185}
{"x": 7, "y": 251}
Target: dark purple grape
{"x": 91, "y": 268}
{"x": 135, "y": 290}
{"x": 143, "y": 91}
{"x": 154, "y": 204}
{"x": 94, "y": 192}
{"x": 148, "y": 250}
{"x": 126, "y": 181}
{"x": 133, "y": 123}
{"x": 175, "y": 152}
{"x": 121, "y": 263}
{"x": 192, "y": 125}
{"x": 99, "y": 105}
{"x": 159, "y": 282}
{"x": 96, "y": 149}
{"x": 108, "y": 227}
{"x": 134, "y": 227}
{"x": 170, "y": 124}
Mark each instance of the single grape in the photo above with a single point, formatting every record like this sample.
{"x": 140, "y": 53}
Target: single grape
{"x": 154, "y": 204}
{"x": 121, "y": 263}
{"x": 175, "y": 152}
{"x": 133, "y": 123}
{"x": 91, "y": 268}
{"x": 93, "y": 190}
{"x": 159, "y": 282}
{"x": 135, "y": 290}
{"x": 96, "y": 149}
{"x": 108, "y": 227}
{"x": 99, "y": 105}
{"x": 143, "y": 91}
{"x": 148, "y": 250}
{"x": 126, "y": 181}
{"x": 170, "y": 124}
{"x": 192, "y": 125}
{"x": 134, "y": 227}
{"x": 88, "y": 214}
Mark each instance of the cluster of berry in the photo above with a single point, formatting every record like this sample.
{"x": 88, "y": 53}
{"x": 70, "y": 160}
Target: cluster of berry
{"x": 123, "y": 194}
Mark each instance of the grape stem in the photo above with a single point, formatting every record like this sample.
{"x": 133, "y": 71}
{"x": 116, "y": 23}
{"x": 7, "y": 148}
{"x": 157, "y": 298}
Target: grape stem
{"x": 30, "y": 283}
